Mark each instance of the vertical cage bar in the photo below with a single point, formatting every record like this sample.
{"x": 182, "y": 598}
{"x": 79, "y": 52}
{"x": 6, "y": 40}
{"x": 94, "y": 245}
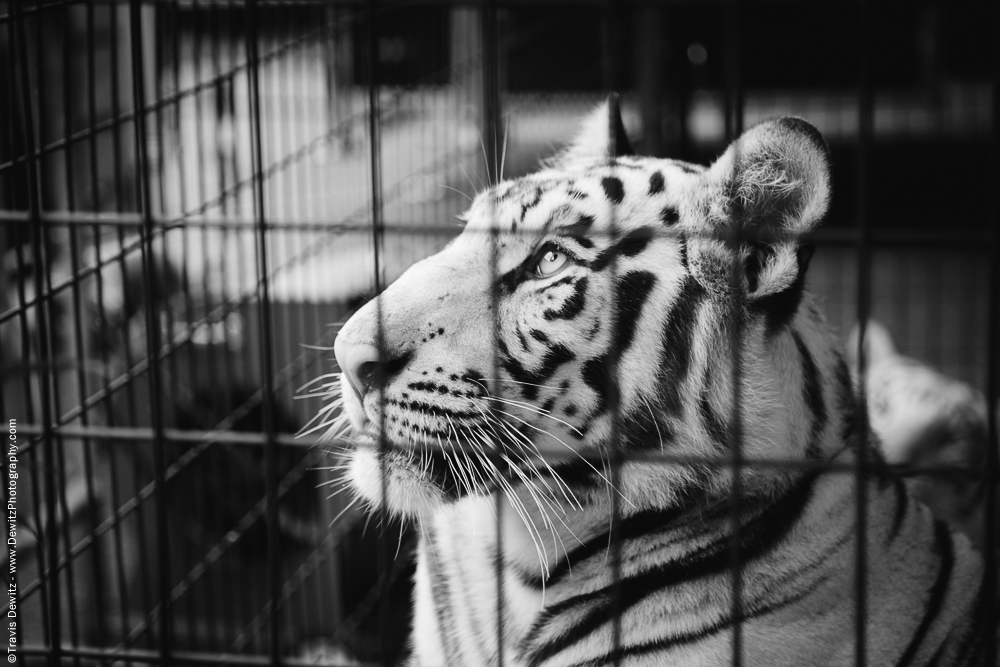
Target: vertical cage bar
{"x": 733, "y": 109}
{"x": 491, "y": 89}
{"x": 53, "y": 245}
{"x": 117, "y": 547}
{"x": 48, "y": 547}
{"x": 121, "y": 190}
{"x": 378, "y": 241}
{"x": 270, "y": 470}
{"x": 611, "y": 66}
{"x": 59, "y": 193}
{"x": 79, "y": 347}
{"x": 489, "y": 27}
{"x": 17, "y": 70}
{"x": 147, "y": 231}
{"x": 992, "y": 467}
{"x": 734, "y": 91}
{"x": 865, "y": 128}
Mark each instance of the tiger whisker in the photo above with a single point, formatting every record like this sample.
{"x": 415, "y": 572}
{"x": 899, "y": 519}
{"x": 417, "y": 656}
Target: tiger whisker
{"x": 343, "y": 511}
{"x": 469, "y": 178}
{"x": 318, "y": 348}
{"x": 399, "y": 545}
{"x": 522, "y": 513}
{"x": 325, "y": 376}
{"x": 338, "y": 492}
{"x": 560, "y": 441}
{"x": 336, "y": 428}
{"x": 536, "y": 410}
{"x": 527, "y": 384}
{"x": 534, "y": 495}
{"x": 320, "y": 394}
{"x": 517, "y": 438}
{"x": 457, "y": 469}
{"x": 321, "y": 416}
{"x": 333, "y": 483}
{"x": 442, "y": 185}
{"x": 506, "y": 135}
{"x": 656, "y": 424}
{"x": 551, "y": 503}
{"x": 516, "y": 441}
{"x": 559, "y": 480}
{"x": 337, "y": 468}
{"x": 451, "y": 425}
{"x": 485, "y": 160}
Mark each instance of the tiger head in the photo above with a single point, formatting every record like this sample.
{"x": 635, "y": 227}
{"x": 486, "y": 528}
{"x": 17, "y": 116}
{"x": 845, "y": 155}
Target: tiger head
{"x": 608, "y": 305}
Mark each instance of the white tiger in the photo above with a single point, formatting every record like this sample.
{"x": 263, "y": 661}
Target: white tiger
{"x": 594, "y": 310}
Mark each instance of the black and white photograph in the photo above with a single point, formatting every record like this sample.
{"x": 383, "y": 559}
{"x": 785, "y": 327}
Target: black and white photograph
{"x": 500, "y": 333}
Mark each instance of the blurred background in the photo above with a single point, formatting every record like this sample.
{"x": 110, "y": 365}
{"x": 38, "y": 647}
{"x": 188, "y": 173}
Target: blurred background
{"x": 194, "y": 193}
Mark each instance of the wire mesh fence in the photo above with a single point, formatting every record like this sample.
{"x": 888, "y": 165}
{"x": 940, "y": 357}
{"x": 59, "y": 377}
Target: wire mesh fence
{"x": 195, "y": 193}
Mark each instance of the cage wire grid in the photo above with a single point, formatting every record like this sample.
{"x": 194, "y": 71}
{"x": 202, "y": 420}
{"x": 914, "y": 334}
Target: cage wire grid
{"x": 187, "y": 189}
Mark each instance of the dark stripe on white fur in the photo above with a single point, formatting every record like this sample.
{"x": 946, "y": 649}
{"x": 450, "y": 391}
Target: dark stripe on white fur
{"x": 635, "y": 526}
{"x": 713, "y": 423}
{"x": 578, "y": 227}
{"x": 756, "y": 610}
{"x": 540, "y": 336}
{"x": 669, "y": 216}
{"x": 676, "y": 346}
{"x": 582, "y": 241}
{"x": 565, "y": 280}
{"x": 573, "y": 305}
{"x": 683, "y": 249}
{"x": 480, "y": 642}
{"x": 944, "y": 549}
{"x": 661, "y": 644}
{"x": 686, "y": 167}
{"x": 758, "y": 537}
{"x": 902, "y": 505}
{"x": 521, "y": 338}
{"x": 555, "y": 356}
{"x": 972, "y": 648}
{"x": 779, "y": 308}
{"x": 851, "y": 410}
{"x": 630, "y": 245}
{"x": 813, "y": 394}
{"x": 440, "y": 596}
{"x": 656, "y": 183}
{"x": 596, "y": 375}
{"x": 536, "y": 197}
{"x": 613, "y": 189}
{"x": 631, "y": 292}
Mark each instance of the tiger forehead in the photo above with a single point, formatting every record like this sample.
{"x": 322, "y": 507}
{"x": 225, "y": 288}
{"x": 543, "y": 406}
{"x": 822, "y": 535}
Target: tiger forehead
{"x": 551, "y": 199}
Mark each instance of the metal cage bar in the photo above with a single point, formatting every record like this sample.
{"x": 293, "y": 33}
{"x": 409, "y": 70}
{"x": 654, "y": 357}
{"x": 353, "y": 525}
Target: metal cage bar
{"x": 865, "y": 119}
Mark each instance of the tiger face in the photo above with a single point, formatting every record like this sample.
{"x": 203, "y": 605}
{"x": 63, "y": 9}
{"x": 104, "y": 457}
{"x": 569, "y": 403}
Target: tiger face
{"x": 606, "y": 304}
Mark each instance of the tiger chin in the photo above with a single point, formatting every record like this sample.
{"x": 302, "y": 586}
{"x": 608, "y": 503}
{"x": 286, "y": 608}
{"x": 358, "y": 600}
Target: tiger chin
{"x": 604, "y": 338}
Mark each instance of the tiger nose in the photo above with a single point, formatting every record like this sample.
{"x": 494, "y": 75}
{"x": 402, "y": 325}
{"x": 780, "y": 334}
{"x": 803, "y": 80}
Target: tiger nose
{"x": 360, "y": 363}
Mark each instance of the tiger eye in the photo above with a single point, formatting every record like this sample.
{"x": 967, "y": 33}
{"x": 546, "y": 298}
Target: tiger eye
{"x": 550, "y": 263}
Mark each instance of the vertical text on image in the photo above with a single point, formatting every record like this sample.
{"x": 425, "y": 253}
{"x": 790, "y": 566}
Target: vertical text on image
{"x": 12, "y": 633}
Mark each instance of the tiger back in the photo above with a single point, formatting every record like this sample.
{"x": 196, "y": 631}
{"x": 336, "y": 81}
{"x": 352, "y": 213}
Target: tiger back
{"x": 558, "y": 399}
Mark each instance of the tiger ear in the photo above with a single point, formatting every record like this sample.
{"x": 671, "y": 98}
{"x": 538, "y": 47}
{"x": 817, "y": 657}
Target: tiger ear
{"x": 771, "y": 184}
{"x": 602, "y": 135}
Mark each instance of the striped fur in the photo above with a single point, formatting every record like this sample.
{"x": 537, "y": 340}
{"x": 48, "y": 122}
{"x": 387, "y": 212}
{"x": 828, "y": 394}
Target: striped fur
{"x": 500, "y": 391}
